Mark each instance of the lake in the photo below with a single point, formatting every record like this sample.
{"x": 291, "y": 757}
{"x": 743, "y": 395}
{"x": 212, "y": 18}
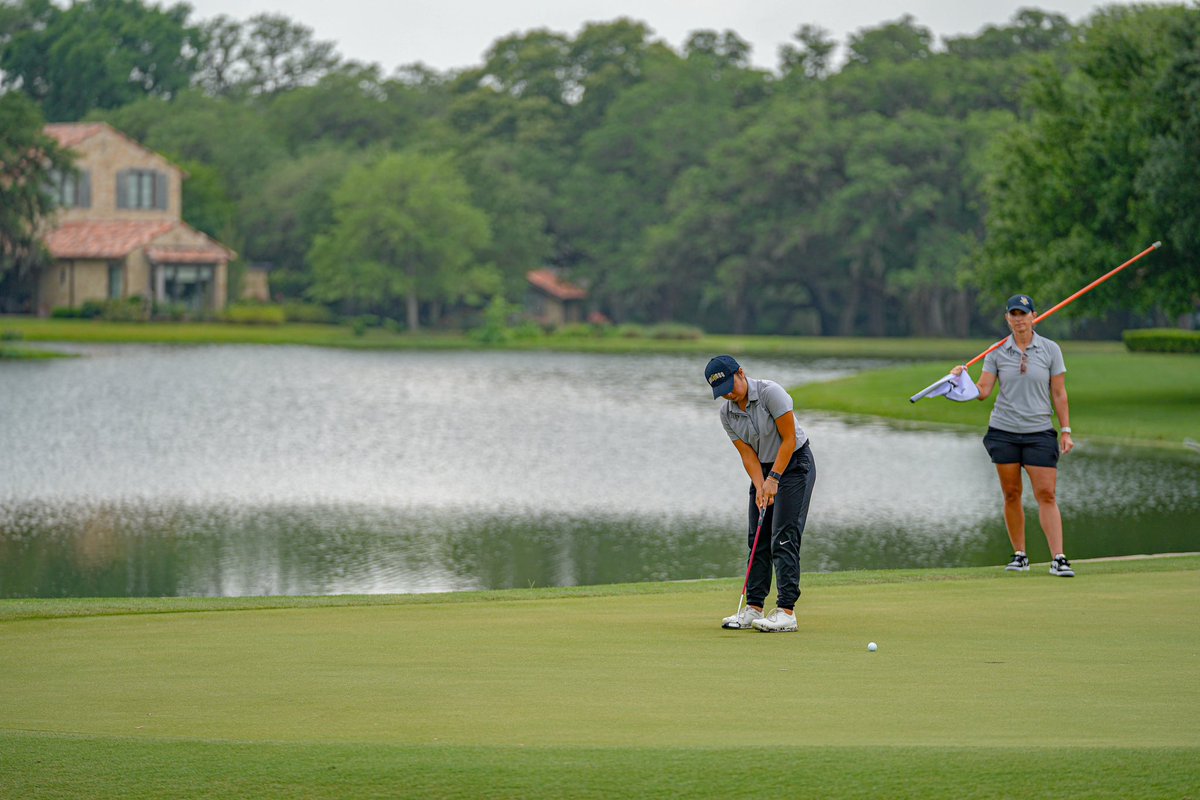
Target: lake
{"x": 246, "y": 470}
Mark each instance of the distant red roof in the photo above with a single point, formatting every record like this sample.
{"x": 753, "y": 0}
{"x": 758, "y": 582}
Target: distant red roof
{"x": 186, "y": 255}
{"x": 551, "y": 284}
{"x": 69, "y": 134}
{"x": 119, "y": 238}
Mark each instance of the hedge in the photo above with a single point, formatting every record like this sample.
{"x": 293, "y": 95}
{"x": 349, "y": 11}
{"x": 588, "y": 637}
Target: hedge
{"x": 1162, "y": 340}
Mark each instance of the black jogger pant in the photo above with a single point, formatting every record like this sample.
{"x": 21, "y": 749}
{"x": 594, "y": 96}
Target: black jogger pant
{"x": 783, "y": 527}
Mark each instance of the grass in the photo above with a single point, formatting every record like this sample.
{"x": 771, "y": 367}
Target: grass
{"x": 985, "y": 684}
{"x": 95, "y": 331}
{"x": 1148, "y": 398}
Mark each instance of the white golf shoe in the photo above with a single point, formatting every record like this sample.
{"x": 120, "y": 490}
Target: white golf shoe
{"x": 778, "y": 621}
{"x": 743, "y": 620}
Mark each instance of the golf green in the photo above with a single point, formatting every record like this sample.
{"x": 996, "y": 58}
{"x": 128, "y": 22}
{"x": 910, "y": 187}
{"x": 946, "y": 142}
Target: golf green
{"x": 975, "y": 668}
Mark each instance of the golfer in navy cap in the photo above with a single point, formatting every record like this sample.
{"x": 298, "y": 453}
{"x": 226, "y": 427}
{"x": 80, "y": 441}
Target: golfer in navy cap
{"x": 758, "y": 416}
{"x": 1020, "y": 434}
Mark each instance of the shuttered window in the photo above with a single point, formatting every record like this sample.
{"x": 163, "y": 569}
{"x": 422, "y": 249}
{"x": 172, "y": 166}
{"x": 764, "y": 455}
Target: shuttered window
{"x": 141, "y": 188}
{"x": 72, "y": 189}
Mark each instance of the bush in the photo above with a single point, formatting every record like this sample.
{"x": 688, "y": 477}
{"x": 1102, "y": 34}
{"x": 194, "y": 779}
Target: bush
{"x": 496, "y": 317}
{"x": 254, "y": 315}
{"x": 169, "y": 312}
{"x": 675, "y": 330}
{"x": 631, "y": 331}
{"x": 90, "y": 309}
{"x": 575, "y": 330}
{"x": 1162, "y": 340}
{"x": 527, "y": 330}
{"x": 62, "y": 312}
{"x": 296, "y": 311}
{"x": 11, "y": 336}
{"x": 132, "y": 309}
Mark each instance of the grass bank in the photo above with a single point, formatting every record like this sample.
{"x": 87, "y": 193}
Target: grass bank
{"x": 985, "y": 685}
{"x": 1148, "y": 398}
{"x": 100, "y": 332}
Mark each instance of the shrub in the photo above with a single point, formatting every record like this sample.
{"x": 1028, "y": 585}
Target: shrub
{"x": 527, "y": 330}
{"x": 254, "y": 314}
{"x": 11, "y": 336}
{"x": 631, "y": 331}
{"x": 90, "y": 309}
{"x": 63, "y": 312}
{"x": 132, "y": 309}
{"x": 675, "y": 330}
{"x": 297, "y": 311}
{"x": 170, "y": 312}
{"x": 575, "y": 330}
{"x": 1162, "y": 340}
{"x": 496, "y": 316}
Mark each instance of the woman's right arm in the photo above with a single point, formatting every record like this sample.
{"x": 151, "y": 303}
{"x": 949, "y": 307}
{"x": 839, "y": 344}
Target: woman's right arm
{"x": 750, "y": 462}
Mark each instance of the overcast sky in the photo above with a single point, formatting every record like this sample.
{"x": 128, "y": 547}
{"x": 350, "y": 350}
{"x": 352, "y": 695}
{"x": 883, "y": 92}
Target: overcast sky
{"x": 448, "y": 34}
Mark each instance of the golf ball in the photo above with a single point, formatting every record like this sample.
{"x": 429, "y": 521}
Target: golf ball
{"x": 872, "y": 647}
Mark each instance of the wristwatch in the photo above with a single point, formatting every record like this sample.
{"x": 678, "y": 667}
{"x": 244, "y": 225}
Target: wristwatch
{"x": 1066, "y": 429}
{"x": 774, "y": 474}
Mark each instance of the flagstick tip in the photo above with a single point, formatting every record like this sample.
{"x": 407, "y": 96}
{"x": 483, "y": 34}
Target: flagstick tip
{"x": 1157, "y": 245}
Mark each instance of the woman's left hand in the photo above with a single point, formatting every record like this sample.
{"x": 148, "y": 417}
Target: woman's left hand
{"x": 1068, "y": 444}
{"x": 767, "y": 492}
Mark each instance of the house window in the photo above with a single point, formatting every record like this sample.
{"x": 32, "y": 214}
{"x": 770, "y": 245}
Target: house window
{"x": 116, "y": 281}
{"x": 190, "y": 285}
{"x": 141, "y": 188}
{"x": 71, "y": 189}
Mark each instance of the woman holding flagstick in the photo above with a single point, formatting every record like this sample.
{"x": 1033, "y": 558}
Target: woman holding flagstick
{"x": 1032, "y": 377}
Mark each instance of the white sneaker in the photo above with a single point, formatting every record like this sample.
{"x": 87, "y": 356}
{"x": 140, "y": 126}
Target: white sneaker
{"x": 778, "y": 621}
{"x": 742, "y": 620}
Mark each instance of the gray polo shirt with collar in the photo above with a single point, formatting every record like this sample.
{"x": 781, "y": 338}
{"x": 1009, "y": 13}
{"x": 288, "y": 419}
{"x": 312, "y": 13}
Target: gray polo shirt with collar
{"x": 1023, "y": 405}
{"x": 767, "y": 401}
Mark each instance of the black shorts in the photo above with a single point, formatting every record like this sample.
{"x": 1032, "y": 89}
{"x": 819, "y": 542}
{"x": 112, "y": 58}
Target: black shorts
{"x": 1029, "y": 449}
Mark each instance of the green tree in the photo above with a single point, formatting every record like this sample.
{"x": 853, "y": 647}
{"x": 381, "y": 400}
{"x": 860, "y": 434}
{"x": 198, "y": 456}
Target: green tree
{"x": 233, "y": 137}
{"x": 288, "y": 206}
{"x": 351, "y": 105}
{"x": 404, "y": 229}
{"x": 29, "y": 160}
{"x": 95, "y": 54}
{"x": 1105, "y": 166}
{"x": 651, "y": 134}
{"x": 514, "y": 204}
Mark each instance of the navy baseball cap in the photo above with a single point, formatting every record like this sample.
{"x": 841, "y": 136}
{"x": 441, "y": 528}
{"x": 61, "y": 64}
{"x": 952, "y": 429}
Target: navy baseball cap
{"x": 1019, "y": 302}
{"x": 719, "y": 374}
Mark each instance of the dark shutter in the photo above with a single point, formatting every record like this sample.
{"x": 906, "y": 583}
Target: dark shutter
{"x": 83, "y": 189}
{"x": 122, "y": 182}
{"x": 160, "y": 190}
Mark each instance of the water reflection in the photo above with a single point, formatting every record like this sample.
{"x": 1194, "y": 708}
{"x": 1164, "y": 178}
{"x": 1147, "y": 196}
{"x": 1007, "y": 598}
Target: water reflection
{"x": 248, "y": 470}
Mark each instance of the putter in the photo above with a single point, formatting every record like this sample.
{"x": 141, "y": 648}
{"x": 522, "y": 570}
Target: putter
{"x": 746, "y": 583}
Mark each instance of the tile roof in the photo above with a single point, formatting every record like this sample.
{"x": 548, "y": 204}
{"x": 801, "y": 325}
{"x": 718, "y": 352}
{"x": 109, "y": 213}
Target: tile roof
{"x": 103, "y": 238}
{"x": 69, "y": 134}
{"x": 551, "y": 284}
{"x": 119, "y": 238}
{"x": 187, "y": 254}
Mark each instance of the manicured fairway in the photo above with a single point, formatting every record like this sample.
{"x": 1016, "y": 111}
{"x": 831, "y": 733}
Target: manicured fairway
{"x": 985, "y": 684}
{"x": 1150, "y": 398}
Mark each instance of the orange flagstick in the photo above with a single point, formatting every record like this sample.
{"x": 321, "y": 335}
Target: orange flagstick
{"x": 1039, "y": 317}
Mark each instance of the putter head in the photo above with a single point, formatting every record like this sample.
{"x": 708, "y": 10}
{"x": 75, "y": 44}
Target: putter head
{"x": 732, "y": 626}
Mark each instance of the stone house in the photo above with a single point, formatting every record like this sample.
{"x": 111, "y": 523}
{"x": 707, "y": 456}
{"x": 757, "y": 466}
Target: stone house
{"x": 553, "y": 301}
{"x": 119, "y": 231}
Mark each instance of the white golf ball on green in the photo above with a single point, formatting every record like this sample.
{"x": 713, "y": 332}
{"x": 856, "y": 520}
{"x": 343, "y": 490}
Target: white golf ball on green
{"x": 872, "y": 647}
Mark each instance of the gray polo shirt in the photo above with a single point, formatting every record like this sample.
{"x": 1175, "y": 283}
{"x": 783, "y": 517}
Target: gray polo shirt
{"x": 1023, "y": 405}
{"x": 767, "y": 401}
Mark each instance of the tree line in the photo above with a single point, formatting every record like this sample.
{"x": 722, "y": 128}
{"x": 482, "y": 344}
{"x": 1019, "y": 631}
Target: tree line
{"x": 903, "y": 189}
